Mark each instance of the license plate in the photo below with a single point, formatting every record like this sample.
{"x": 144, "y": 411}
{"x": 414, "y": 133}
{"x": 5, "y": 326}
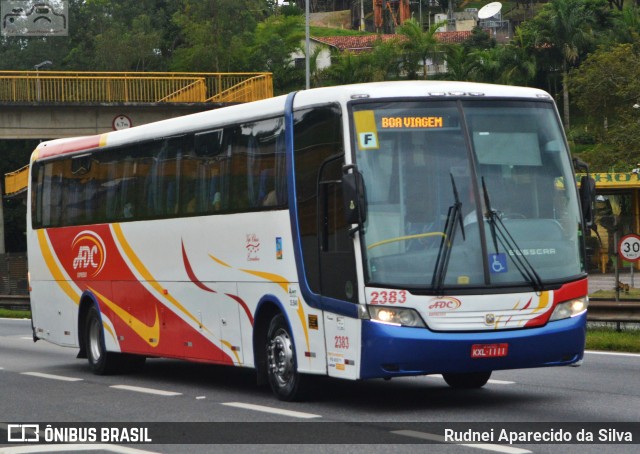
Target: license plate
{"x": 489, "y": 350}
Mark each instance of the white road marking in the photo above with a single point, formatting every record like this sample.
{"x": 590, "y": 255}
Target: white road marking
{"x": 492, "y": 381}
{"x": 74, "y": 447}
{"x": 501, "y": 382}
{"x": 51, "y": 376}
{"x": 440, "y": 438}
{"x": 275, "y": 411}
{"x": 139, "y": 389}
{"x": 593, "y": 352}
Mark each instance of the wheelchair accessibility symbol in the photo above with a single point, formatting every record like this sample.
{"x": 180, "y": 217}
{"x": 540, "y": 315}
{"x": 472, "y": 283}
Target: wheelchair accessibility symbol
{"x": 498, "y": 263}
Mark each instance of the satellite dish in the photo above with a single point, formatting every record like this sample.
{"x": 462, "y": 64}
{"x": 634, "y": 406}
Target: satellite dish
{"x": 489, "y": 10}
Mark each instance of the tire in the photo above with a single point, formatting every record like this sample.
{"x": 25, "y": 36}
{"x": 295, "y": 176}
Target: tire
{"x": 472, "y": 380}
{"x": 285, "y": 381}
{"x": 100, "y": 360}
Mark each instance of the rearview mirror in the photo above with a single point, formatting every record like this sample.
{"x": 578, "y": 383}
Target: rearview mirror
{"x": 355, "y": 199}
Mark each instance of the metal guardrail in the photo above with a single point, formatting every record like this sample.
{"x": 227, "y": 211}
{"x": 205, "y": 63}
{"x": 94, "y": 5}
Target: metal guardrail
{"x": 15, "y": 302}
{"x": 614, "y": 311}
{"x": 132, "y": 87}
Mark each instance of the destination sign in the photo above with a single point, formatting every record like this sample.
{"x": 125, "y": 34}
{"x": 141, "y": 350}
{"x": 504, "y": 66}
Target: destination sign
{"x": 410, "y": 122}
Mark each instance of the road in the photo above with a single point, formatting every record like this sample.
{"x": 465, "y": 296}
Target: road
{"x": 43, "y": 383}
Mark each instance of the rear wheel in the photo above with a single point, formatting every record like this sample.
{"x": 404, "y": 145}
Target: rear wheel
{"x": 101, "y": 361}
{"x": 285, "y": 381}
{"x": 470, "y": 380}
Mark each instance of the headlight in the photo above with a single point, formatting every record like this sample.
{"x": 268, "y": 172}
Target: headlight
{"x": 570, "y": 308}
{"x": 395, "y": 316}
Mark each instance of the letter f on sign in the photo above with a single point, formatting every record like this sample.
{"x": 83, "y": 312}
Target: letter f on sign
{"x": 368, "y": 140}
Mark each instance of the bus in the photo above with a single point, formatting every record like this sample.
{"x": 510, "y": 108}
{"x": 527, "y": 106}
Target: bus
{"x": 366, "y": 231}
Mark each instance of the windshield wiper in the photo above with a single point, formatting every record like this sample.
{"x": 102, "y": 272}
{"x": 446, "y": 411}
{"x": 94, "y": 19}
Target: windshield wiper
{"x": 500, "y": 234}
{"x": 454, "y": 215}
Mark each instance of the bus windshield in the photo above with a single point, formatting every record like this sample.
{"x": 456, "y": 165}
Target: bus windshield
{"x": 466, "y": 194}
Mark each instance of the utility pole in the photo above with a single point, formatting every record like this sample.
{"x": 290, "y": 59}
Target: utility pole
{"x": 307, "y": 65}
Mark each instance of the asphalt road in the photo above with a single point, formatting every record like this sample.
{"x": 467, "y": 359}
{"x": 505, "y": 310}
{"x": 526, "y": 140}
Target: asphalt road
{"x": 192, "y": 408}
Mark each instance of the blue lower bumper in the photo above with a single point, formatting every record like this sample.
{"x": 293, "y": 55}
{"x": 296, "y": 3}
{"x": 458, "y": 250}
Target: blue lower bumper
{"x": 392, "y": 351}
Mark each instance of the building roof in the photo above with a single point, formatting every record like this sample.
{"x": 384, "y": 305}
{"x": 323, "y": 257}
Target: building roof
{"x": 366, "y": 42}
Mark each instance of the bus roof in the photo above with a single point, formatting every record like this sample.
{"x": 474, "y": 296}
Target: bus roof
{"x": 274, "y": 106}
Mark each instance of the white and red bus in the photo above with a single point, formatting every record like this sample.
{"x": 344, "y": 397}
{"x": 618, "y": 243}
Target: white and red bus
{"x": 374, "y": 230}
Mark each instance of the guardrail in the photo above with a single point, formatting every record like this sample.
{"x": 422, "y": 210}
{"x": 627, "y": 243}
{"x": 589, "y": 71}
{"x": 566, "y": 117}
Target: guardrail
{"x": 15, "y": 302}
{"x": 614, "y": 311}
{"x": 131, "y": 87}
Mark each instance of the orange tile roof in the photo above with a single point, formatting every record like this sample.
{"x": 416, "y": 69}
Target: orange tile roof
{"x": 366, "y": 42}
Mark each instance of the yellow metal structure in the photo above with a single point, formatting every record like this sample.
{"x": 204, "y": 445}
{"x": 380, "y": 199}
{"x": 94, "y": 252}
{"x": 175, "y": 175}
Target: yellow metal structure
{"x": 16, "y": 182}
{"x": 119, "y": 87}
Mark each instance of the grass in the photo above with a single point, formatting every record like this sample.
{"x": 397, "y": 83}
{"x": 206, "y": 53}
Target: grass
{"x": 597, "y": 338}
{"x": 611, "y": 340}
{"x": 633, "y": 293}
{"x": 10, "y": 313}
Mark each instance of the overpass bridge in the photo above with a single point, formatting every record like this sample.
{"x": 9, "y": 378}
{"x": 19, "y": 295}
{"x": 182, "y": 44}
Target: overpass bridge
{"x": 54, "y": 104}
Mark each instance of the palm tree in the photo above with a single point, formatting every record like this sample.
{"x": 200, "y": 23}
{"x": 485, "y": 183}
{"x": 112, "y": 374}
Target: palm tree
{"x": 418, "y": 46}
{"x": 518, "y": 64}
{"x": 565, "y": 26}
{"x": 348, "y": 68}
{"x": 461, "y": 65}
{"x": 627, "y": 25}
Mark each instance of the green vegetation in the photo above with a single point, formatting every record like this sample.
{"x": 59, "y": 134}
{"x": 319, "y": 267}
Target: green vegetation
{"x": 612, "y": 340}
{"x": 569, "y": 48}
{"x": 633, "y": 293}
{"x": 10, "y": 313}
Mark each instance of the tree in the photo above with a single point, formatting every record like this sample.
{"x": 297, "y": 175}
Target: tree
{"x": 460, "y": 64}
{"x": 626, "y": 27}
{"x": 272, "y": 46}
{"x": 386, "y": 60}
{"x": 129, "y": 48}
{"x": 563, "y": 30}
{"x": 349, "y": 68}
{"x": 213, "y": 34}
{"x": 518, "y": 65}
{"x": 606, "y": 86}
{"x": 418, "y": 46}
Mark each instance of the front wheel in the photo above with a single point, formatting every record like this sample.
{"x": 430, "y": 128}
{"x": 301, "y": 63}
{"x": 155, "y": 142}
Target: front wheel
{"x": 471, "y": 380}
{"x": 285, "y": 381}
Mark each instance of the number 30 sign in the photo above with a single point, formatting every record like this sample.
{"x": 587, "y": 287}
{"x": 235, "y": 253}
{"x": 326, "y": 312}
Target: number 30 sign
{"x": 629, "y": 247}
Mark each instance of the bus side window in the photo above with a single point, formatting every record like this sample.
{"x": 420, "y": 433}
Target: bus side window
{"x": 209, "y": 148}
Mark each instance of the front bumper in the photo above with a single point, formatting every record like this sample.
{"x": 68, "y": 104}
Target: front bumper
{"x": 393, "y": 351}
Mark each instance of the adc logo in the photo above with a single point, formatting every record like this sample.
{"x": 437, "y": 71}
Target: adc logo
{"x": 89, "y": 254}
{"x": 446, "y": 303}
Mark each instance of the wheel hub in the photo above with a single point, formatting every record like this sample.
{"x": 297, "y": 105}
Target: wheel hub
{"x": 280, "y": 357}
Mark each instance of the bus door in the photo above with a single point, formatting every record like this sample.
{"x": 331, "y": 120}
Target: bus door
{"x": 338, "y": 278}
{"x": 337, "y": 261}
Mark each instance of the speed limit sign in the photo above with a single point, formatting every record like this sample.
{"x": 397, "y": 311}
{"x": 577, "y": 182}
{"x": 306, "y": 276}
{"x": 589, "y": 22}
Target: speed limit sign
{"x": 629, "y": 247}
